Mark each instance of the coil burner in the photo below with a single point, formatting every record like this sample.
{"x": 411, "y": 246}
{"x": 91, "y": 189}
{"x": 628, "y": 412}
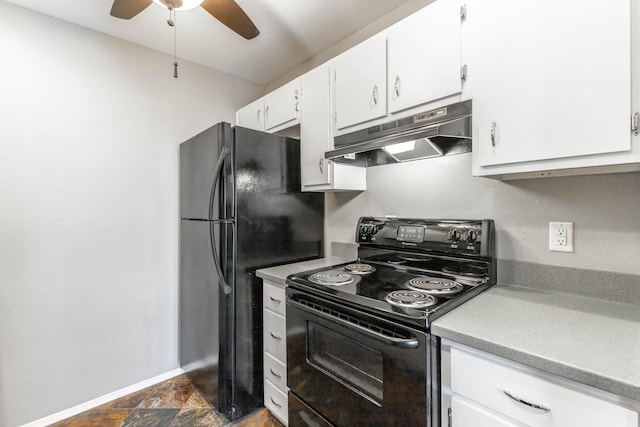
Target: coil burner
{"x": 410, "y": 299}
{"x": 359, "y": 268}
{"x": 332, "y": 278}
{"x": 435, "y": 285}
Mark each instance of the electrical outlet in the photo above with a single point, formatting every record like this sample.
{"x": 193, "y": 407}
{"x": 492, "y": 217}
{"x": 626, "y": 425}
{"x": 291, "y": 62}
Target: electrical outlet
{"x": 561, "y": 236}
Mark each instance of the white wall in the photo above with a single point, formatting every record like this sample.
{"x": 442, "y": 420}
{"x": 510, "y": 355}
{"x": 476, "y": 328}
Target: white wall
{"x": 604, "y": 208}
{"x": 89, "y": 134}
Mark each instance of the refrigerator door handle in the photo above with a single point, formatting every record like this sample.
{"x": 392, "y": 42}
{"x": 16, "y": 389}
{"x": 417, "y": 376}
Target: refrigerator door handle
{"x": 212, "y": 235}
{"x": 216, "y": 177}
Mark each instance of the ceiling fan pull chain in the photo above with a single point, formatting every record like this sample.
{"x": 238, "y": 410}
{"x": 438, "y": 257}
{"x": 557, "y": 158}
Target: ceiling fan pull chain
{"x": 175, "y": 46}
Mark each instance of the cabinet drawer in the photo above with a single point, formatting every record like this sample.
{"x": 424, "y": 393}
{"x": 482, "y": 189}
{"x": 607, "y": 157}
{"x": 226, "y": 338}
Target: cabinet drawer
{"x": 468, "y": 414}
{"x": 275, "y": 371}
{"x": 275, "y": 341}
{"x": 276, "y": 401}
{"x": 488, "y": 382}
{"x": 273, "y": 298}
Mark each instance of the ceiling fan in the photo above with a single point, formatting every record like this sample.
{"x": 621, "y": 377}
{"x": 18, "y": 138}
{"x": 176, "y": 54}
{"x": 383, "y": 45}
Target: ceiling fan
{"x": 226, "y": 11}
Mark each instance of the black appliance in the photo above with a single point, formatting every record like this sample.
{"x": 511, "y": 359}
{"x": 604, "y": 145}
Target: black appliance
{"x": 359, "y": 351}
{"x": 241, "y": 210}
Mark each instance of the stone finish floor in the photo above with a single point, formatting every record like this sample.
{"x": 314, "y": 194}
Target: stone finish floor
{"x": 172, "y": 403}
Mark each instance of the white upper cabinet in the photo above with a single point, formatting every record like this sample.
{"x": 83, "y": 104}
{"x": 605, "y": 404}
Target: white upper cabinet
{"x": 281, "y": 106}
{"x": 551, "y": 81}
{"x": 316, "y": 137}
{"x": 251, "y": 116}
{"x": 360, "y": 88}
{"x": 315, "y": 131}
{"x": 274, "y": 111}
{"x": 424, "y": 56}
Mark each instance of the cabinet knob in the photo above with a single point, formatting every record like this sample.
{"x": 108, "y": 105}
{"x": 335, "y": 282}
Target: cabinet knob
{"x": 259, "y": 116}
{"x": 275, "y": 374}
{"x": 275, "y": 337}
{"x": 375, "y": 94}
{"x": 397, "y": 87}
{"x": 275, "y": 403}
{"x": 493, "y": 133}
{"x": 266, "y": 113}
{"x": 321, "y": 165}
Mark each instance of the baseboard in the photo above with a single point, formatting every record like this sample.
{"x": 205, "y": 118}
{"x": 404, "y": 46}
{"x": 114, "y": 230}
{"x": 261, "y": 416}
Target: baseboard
{"x": 59, "y": 416}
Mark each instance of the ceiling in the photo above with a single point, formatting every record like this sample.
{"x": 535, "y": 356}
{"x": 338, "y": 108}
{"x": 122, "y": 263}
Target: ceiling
{"x": 291, "y": 31}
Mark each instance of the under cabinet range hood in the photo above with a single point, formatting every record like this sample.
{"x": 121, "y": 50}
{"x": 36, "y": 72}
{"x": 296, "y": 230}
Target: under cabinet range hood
{"x": 440, "y": 132}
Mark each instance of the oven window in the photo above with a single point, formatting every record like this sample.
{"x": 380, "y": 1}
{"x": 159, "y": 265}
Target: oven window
{"x": 348, "y": 361}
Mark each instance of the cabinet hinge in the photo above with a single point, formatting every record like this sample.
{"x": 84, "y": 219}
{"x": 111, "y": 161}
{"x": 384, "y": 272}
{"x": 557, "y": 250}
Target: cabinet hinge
{"x": 463, "y": 13}
{"x": 635, "y": 123}
{"x": 463, "y": 73}
{"x": 335, "y": 117}
{"x": 334, "y": 75}
{"x": 449, "y": 417}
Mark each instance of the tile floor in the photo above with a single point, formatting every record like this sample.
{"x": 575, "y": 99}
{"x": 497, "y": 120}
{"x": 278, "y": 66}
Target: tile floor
{"x": 172, "y": 403}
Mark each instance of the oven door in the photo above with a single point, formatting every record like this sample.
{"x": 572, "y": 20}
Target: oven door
{"x": 353, "y": 368}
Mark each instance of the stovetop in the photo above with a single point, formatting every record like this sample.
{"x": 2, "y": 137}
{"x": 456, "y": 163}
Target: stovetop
{"x": 370, "y": 291}
{"x": 408, "y": 271}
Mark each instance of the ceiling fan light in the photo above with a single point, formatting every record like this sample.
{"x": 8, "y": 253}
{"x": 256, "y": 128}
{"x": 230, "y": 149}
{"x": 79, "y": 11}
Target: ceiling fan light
{"x": 179, "y": 4}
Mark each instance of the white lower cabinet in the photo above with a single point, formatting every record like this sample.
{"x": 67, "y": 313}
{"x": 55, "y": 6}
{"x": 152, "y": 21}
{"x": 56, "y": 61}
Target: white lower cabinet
{"x": 468, "y": 413}
{"x": 487, "y": 391}
{"x": 275, "y": 350}
{"x": 276, "y": 401}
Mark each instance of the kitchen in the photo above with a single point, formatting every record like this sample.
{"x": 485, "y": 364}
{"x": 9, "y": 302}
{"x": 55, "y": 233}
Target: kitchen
{"x": 89, "y": 273}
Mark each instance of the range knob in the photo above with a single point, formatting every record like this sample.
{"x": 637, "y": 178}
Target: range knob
{"x": 454, "y": 236}
{"x": 367, "y": 231}
{"x": 472, "y": 237}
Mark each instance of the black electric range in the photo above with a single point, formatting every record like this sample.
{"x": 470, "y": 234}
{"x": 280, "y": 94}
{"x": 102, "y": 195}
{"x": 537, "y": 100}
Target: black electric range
{"x": 358, "y": 340}
{"x": 409, "y": 270}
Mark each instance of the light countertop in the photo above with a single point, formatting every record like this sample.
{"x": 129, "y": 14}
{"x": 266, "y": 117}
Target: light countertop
{"x": 592, "y": 341}
{"x": 278, "y": 274}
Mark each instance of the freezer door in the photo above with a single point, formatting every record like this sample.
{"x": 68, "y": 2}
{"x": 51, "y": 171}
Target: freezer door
{"x": 198, "y": 159}
{"x": 276, "y": 222}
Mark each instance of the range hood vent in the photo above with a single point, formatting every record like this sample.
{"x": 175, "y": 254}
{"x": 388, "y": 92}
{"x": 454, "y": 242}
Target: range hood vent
{"x": 440, "y": 132}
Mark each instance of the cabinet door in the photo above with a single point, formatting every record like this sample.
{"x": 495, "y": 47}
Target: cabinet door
{"x": 529, "y": 398}
{"x": 281, "y": 105}
{"x": 276, "y": 401}
{"x": 315, "y": 128}
{"x": 316, "y": 137}
{"x": 467, "y": 414}
{"x": 273, "y": 298}
{"x": 275, "y": 335}
{"x": 360, "y": 83}
{"x": 425, "y": 56}
{"x": 551, "y": 79}
{"x": 252, "y": 115}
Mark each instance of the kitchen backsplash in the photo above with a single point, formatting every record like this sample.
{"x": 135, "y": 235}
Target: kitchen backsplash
{"x": 604, "y": 209}
{"x": 604, "y": 285}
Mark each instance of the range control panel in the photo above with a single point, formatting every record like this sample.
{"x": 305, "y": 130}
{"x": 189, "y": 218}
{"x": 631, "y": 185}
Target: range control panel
{"x": 469, "y": 237}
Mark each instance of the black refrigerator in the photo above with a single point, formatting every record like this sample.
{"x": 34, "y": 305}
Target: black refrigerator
{"x": 241, "y": 210}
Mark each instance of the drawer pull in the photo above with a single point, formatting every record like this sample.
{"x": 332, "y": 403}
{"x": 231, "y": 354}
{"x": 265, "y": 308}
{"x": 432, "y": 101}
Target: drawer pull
{"x": 276, "y": 300}
{"x": 274, "y": 402}
{"x": 275, "y": 374}
{"x": 275, "y": 337}
{"x": 524, "y": 402}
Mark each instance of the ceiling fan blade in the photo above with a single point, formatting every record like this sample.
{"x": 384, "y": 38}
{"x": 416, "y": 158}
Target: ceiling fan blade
{"x": 127, "y": 9}
{"x": 231, "y": 14}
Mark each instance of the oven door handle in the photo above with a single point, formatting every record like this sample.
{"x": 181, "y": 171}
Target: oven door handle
{"x": 379, "y": 336}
